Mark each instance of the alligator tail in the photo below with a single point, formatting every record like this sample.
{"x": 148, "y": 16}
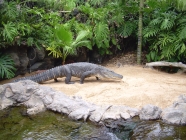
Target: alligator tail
{"x": 44, "y": 76}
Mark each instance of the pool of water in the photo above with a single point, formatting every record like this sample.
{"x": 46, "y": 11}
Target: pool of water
{"x": 15, "y": 124}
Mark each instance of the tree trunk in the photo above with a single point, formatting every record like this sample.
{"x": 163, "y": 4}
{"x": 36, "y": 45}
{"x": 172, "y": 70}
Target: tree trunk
{"x": 140, "y": 26}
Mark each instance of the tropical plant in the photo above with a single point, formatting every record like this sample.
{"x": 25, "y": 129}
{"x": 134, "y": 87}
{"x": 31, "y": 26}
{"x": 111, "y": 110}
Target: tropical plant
{"x": 6, "y": 67}
{"x": 64, "y": 44}
{"x": 166, "y": 34}
{"x": 105, "y": 20}
{"x": 24, "y": 25}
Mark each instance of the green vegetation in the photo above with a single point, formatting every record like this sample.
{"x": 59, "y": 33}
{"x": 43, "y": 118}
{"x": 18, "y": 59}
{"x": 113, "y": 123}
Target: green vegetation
{"x": 6, "y": 67}
{"x": 166, "y": 33}
{"x": 63, "y": 26}
{"x": 64, "y": 44}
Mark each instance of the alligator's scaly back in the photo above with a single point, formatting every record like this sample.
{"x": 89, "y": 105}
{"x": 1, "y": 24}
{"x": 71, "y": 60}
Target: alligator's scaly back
{"x": 53, "y": 73}
{"x": 81, "y": 70}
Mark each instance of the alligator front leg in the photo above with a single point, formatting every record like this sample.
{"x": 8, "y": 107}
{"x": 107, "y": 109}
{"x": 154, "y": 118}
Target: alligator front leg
{"x": 68, "y": 75}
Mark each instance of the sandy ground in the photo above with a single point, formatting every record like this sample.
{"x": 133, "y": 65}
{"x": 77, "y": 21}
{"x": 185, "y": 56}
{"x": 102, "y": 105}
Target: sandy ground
{"x": 139, "y": 86}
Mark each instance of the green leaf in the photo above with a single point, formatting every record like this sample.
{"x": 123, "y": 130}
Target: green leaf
{"x": 10, "y": 10}
{"x": 9, "y": 31}
{"x": 101, "y": 32}
{"x": 126, "y": 29}
{"x": 6, "y": 67}
{"x": 64, "y": 35}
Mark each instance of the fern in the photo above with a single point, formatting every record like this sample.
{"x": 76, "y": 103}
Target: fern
{"x": 127, "y": 29}
{"x": 9, "y": 31}
{"x": 24, "y": 28}
{"x": 97, "y": 2}
{"x": 30, "y": 41}
{"x": 6, "y": 67}
{"x": 9, "y": 10}
{"x": 181, "y": 4}
{"x": 182, "y": 33}
{"x": 167, "y": 24}
{"x": 150, "y": 32}
{"x": 69, "y": 5}
{"x": 117, "y": 18}
{"x": 181, "y": 27}
{"x": 156, "y": 21}
{"x": 101, "y": 32}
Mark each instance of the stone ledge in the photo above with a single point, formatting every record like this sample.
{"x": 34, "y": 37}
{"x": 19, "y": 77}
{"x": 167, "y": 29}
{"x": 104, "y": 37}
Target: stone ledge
{"x": 38, "y": 98}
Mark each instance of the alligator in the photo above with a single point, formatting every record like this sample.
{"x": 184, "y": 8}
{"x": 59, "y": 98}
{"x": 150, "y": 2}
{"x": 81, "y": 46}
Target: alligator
{"x": 81, "y": 70}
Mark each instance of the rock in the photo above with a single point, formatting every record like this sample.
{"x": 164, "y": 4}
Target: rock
{"x": 102, "y": 135}
{"x": 176, "y": 114}
{"x": 35, "y": 55}
{"x": 75, "y": 109}
{"x": 37, "y": 66}
{"x": 150, "y": 112}
{"x": 38, "y": 98}
{"x": 15, "y": 58}
{"x": 1, "y": 2}
{"x": 22, "y": 53}
{"x": 117, "y": 112}
{"x": 95, "y": 57}
{"x": 97, "y": 114}
{"x": 152, "y": 131}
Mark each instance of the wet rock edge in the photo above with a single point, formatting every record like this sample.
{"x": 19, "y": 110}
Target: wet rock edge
{"x": 38, "y": 98}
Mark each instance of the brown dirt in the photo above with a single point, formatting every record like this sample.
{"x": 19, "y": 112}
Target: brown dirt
{"x": 139, "y": 86}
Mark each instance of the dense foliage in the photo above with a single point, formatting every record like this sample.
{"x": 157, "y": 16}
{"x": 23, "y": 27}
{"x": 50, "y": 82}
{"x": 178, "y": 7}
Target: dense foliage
{"x": 63, "y": 26}
{"x": 166, "y": 32}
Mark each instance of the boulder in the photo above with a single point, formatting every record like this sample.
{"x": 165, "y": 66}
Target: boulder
{"x": 176, "y": 114}
{"x": 116, "y": 112}
{"x": 148, "y": 130}
{"x": 35, "y": 55}
{"x": 22, "y": 53}
{"x": 150, "y": 112}
{"x": 1, "y": 2}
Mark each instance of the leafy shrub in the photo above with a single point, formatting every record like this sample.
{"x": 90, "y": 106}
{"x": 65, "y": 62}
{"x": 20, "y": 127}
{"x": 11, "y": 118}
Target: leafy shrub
{"x": 166, "y": 34}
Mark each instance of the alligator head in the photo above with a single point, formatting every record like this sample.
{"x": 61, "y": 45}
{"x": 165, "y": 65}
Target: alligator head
{"x": 108, "y": 74}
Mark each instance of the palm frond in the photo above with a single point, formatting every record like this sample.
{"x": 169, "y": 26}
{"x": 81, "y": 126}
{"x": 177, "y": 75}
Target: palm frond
{"x": 63, "y": 35}
{"x": 81, "y": 35}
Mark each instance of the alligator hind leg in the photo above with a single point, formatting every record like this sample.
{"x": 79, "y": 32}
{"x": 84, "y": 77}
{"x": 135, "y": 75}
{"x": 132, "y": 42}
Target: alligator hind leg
{"x": 84, "y": 75}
